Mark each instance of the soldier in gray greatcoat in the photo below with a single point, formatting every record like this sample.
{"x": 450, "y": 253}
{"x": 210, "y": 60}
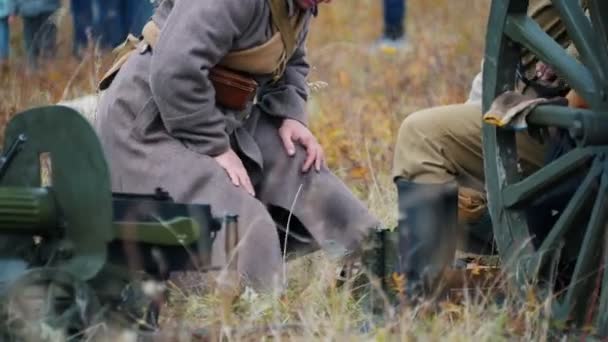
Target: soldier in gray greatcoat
{"x": 161, "y": 124}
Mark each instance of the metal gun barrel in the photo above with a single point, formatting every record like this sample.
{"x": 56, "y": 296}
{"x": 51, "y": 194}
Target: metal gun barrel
{"x": 231, "y": 227}
{"x": 30, "y": 211}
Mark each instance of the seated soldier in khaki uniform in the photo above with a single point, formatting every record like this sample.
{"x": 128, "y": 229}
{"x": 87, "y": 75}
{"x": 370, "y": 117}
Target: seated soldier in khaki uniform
{"x": 172, "y": 117}
{"x": 439, "y": 174}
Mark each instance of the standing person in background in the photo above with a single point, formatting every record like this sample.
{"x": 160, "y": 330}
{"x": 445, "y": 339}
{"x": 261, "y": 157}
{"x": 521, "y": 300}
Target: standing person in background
{"x": 110, "y": 24}
{"x": 39, "y": 28}
{"x": 7, "y": 8}
{"x": 121, "y": 17}
{"x": 136, "y": 14}
{"x": 394, "y": 38}
{"x": 84, "y": 22}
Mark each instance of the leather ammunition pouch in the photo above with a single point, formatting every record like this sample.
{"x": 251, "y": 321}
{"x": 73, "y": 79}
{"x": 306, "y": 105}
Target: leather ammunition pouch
{"x": 232, "y": 89}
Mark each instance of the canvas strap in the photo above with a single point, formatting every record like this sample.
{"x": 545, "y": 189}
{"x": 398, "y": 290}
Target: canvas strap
{"x": 281, "y": 20}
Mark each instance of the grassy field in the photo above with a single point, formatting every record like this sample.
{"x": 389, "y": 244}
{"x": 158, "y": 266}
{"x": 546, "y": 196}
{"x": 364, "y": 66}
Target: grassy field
{"x": 358, "y": 102}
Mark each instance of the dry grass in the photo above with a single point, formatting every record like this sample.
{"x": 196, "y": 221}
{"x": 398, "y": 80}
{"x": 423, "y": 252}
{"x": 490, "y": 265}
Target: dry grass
{"x": 356, "y": 117}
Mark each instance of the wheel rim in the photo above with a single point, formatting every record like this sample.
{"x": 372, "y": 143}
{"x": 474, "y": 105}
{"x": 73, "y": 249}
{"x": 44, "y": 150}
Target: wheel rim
{"x": 53, "y": 298}
{"x": 510, "y": 193}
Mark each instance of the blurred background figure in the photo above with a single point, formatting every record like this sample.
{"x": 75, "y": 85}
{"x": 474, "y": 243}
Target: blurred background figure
{"x": 137, "y": 14}
{"x": 108, "y": 22}
{"x": 121, "y": 17}
{"x": 7, "y": 8}
{"x": 111, "y": 23}
{"x": 394, "y": 38}
{"x": 39, "y": 29}
{"x": 85, "y": 17}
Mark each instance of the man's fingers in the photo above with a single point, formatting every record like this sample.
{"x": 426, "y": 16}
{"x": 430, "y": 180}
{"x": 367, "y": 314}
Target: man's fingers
{"x": 239, "y": 177}
{"x": 311, "y": 156}
{"x": 237, "y": 173}
{"x": 233, "y": 177}
{"x": 290, "y": 148}
{"x": 246, "y": 181}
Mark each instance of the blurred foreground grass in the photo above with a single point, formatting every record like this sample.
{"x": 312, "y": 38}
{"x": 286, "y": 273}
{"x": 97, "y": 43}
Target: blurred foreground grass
{"x": 356, "y": 112}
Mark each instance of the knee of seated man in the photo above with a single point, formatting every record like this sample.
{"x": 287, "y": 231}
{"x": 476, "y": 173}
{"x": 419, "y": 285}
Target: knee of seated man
{"x": 421, "y": 141}
{"x": 278, "y": 159}
{"x": 235, "y": 200}
{"x": 420, "y": 127}
{"x": 419, "y": 136}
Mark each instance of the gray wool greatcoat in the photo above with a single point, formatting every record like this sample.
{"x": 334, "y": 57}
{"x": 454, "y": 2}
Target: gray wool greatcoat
{"x": 160, "y": 127}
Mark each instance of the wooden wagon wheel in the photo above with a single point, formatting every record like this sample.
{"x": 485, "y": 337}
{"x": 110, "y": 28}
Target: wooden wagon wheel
{"x": 577, "y": 238}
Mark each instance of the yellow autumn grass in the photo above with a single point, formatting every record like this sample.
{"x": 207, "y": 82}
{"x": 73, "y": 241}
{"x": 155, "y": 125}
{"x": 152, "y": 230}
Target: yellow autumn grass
{"x": 358, "y": 102}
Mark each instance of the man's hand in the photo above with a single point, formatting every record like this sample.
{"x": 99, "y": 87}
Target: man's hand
{"x": 292, "y": 131}
{"x": 576, "y": 101}
{"x": 233, "y": 165}
{"x": 545, "y": 72}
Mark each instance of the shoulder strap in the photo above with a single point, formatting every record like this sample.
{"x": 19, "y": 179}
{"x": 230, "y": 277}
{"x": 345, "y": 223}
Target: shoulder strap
{"x": 280, "y": 19}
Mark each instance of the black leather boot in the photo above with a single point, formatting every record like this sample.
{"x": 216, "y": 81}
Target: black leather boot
{"x": 428, "y": 233}
{"x": 479, "y": 237}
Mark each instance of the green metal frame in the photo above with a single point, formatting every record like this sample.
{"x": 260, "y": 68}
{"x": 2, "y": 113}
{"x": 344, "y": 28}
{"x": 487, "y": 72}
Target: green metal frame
{"x": 80, "y": 181}
{"x": 510, "y": 192}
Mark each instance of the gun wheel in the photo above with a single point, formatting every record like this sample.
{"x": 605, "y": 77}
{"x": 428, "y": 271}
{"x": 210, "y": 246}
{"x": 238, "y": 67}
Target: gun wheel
{"x": 565, "y": 259}
{"x": 49, "y": 303}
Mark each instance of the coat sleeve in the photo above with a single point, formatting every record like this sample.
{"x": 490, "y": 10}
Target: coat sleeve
{"x": 195, "y": 36}
{"x": 287, "y": 97}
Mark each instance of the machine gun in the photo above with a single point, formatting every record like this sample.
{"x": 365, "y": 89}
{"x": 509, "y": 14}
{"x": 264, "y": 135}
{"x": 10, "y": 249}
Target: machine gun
{"x": 65, "y": 237}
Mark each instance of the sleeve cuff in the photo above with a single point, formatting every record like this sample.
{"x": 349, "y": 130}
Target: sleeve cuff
{"x": 285, "y": 103}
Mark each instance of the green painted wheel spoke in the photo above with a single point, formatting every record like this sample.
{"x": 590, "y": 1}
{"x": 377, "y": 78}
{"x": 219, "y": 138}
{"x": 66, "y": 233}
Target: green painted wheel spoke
{"x": 559, "y": 116}
{"x": 602, "y": 320}
{"x": 582, "y": 278}
{"x": 527, "y": 32}
{"x": 566, "y": 219}
{"x": 598, "y": 10}
{"x": 587, "y": 42}
{"x": 546, "y": 177}
{"x": 501, "y": 57}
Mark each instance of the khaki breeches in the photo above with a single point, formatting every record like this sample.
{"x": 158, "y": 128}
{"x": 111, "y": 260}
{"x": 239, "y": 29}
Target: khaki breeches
{"x": 443, "y": 144}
